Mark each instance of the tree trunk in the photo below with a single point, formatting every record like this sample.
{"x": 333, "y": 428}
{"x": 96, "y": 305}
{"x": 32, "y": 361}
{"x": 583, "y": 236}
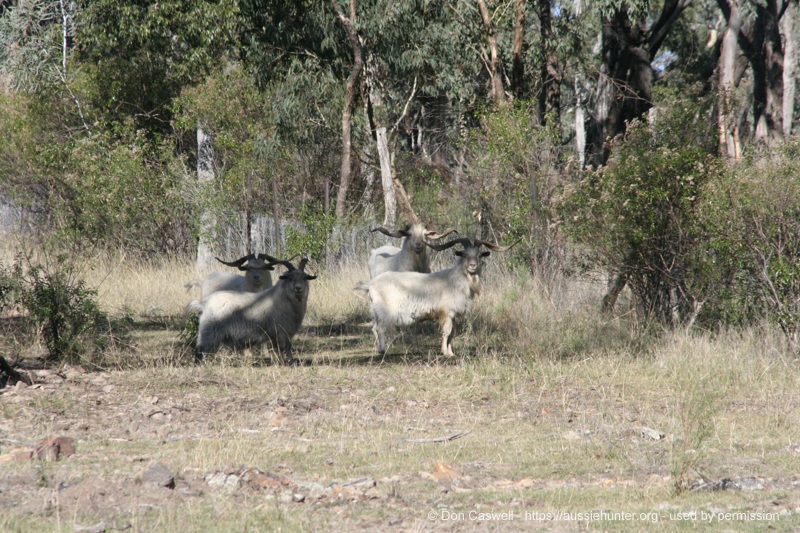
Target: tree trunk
{"x": 205, "y": 176}
{"x": 349, "y": 102}
{"x": 389, "y": 198}
{"x": 727, "y": 122}
{"x": 789, "y": 32}
{"x": 276, "y": 216}
{"x": 581, "y": 97}
{"x": 550, "y": 93}
{"x": 767, "y": 64}
{"x": 624, "y": 88}
{"x": 519, "y": 88}
{"x": 495, "y": 68}
{"x": 376, "y": 113}
{"x": 580, "y": 120}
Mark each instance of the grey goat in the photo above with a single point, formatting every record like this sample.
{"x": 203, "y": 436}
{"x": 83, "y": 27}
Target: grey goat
{"x": 239, "y": 319}
{"x": 256, "y": 276}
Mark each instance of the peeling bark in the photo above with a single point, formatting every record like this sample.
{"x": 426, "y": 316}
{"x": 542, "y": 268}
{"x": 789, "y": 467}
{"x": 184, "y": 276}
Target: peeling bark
{"x": 495, "y": 68}
{"x": 349, "y": 103}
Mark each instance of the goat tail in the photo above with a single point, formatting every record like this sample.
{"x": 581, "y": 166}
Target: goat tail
{"x": 362, "y": 287}
{"x": 193, "y": 283}
{"x": 195, "y": 306}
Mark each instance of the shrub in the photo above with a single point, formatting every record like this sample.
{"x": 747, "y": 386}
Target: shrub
{"x": 639, "y": 216}
{"x": 516, "y": 169}
{"x": 62, "y": 311}
{"x": 757, "y": 216}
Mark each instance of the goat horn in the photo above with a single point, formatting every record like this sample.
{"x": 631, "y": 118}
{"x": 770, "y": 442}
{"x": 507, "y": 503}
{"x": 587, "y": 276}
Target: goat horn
{"x": 465, "y": 242}
{"x": 283, "y": 262}
{"x": 399, "y": 233}
{"x": 448, "y": 231}
{"x": 239, "y": 262}
{"x": 494, "y": 247}
{"x": 266, "y": 257}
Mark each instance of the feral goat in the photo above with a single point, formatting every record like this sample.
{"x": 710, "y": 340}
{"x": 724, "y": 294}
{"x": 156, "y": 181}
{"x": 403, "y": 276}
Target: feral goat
{"x": 255, "y": 279}
{"x": 412, "y": 257}
{"x": 239, "y": 319}
{"x": 402, "y": 298}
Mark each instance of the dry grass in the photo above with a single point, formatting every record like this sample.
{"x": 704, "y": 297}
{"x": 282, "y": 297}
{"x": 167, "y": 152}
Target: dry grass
{"x": 549, "y": 399}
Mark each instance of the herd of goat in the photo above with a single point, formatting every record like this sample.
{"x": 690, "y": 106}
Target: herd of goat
{"x": 241, "y": 310}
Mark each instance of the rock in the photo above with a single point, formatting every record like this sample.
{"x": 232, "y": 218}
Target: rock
{"x": 72, "y": 372}
{"x": 157, "y": 474}
{"x": 17, "y": 455}
{"x": 652, "y": 434}
{"x": 54, "y": 448}
{"x": 749, "y": 483}
{"x": 226, "y": 482}
{"x": 313, "y": 491}
{"x": 444, "y": 472}
{"x": 100, "y": 527}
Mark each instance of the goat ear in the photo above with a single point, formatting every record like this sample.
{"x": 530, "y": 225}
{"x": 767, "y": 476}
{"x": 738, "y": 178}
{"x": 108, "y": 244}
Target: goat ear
{"x": 459, "y": 253}
{"x": 486, "y": 254}
{"x": 310, "y": 277}
{"x": 283, "y": 276}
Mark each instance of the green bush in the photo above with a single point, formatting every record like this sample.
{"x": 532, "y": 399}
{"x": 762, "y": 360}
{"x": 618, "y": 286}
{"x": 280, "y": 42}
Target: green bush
{"x": 756, "y": 213}
{"x": 516, "y": 170}
{"x": 639, "y": 217}
{"x": 61, "y": 311}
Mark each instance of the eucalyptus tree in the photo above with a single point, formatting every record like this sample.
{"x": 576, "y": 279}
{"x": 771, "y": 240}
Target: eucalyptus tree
{"x": 632, "y": 34}
{"x": 753, "y": 31}
{"x": 138, "y": 55}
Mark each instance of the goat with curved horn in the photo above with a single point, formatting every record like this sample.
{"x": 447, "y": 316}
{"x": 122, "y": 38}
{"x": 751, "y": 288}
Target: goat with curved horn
{"x": 402, "y": 298}
{"x": 413, "y": 256}
{"x": 239, "y": 319}
{"x": 256, "y": 276}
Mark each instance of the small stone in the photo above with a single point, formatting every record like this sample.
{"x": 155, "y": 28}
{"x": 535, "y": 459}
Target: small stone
{"x": 17, "y": 455}
{"x": 54, "y": 448}
{"x": 100, "y": 527}
{"x": 159, "y": 475}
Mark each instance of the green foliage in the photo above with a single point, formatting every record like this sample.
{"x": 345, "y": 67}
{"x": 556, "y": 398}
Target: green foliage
{"x": 247, "y": 150}
{"x": 63, "y": 311}
{"x": 31, "y": 35}
{"x": 126, "y": 192}
{"x": 311, "y": 235}
{"x": 188, "y": 334}
{"x": 758, "y": 219}
{"x": 640, "y": 216}
{"x": 517, "y": 170}
{"x": 137, "y": 56}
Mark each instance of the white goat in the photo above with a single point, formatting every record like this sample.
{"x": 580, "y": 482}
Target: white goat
{"x": 256, "y": 277}
{"x": 402, "y": 298}
{"x": 412, "y": 257}
{"x": 242, "y": 318}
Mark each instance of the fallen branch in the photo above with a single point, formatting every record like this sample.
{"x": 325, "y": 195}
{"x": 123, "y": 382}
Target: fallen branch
{"x": 446, "y": 438}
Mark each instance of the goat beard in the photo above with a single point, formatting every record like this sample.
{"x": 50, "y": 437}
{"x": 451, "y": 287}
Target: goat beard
{"x": 474, "y": 283}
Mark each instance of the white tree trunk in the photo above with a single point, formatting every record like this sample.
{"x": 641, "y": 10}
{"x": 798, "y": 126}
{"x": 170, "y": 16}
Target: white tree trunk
{"x": 580, "y": 99}
{"x": 728, "y": 132}
{"x": 789, "y": 32}
{"x": 205, "y": 176}
{"x": 580, "y": 121}
{"x": 389, "y": 195}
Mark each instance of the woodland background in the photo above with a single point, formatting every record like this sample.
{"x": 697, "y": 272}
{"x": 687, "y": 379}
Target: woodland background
{"x": 650, "y": 141}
